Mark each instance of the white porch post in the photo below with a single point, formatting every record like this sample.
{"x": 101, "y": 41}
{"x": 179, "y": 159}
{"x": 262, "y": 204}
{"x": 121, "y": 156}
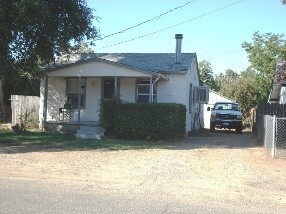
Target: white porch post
{"x": 78, "y": 99}
{"x": 115, "y": 88}
{"x": 45, "y": 107}
{"x": 151, "y": 91}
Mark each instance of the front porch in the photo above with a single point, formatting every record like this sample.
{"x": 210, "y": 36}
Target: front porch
{"x": 77, "y": 100}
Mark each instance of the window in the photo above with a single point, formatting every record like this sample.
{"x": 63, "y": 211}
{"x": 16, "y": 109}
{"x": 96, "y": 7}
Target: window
{"x": 143, "y": 91}
{"x": 226, "y": 106}
{"x": 72, "y": 92}
{"x": 191, "y": 97}
{"x": 201, "y": 94}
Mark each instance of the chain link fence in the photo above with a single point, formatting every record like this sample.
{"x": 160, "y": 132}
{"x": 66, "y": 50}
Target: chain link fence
{"x": 269, "y": 134}
{"x": 272, "y": 132}
{"x": 280, "y": 138}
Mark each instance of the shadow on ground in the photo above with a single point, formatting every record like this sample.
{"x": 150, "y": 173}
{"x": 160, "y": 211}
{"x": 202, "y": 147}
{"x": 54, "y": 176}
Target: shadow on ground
{"x": 11, "y": 142}
{"x": 220, "y": 139}
{"x": 45, "y": 142}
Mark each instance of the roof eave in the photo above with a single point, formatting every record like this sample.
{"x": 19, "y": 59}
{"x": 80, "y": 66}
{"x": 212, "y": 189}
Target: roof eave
{"x": 50, "y": 69}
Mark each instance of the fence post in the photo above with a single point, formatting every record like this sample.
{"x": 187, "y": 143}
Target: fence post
{"x": 274, "y": 136}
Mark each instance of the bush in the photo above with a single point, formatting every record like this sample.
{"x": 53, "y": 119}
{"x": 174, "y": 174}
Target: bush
{"x": 143, "y": 121}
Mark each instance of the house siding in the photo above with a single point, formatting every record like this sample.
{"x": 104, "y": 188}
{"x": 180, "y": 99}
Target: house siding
{"x": 128, "y": 89}
{"x": 194, "y": 115}
{"x": 283, "y": 95}
{"x": 172, "y": 91}
{"x": 176, "y": 90}
{"x": 56, "y": 97}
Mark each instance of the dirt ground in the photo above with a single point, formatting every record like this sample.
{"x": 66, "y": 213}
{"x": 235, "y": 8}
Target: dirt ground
{"x": 221, "y": 167}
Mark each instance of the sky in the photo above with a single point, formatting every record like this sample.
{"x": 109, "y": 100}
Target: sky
{"x": 213, "y": 29}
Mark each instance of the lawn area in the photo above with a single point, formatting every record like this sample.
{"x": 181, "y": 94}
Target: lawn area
{"x": 44, "y": 140}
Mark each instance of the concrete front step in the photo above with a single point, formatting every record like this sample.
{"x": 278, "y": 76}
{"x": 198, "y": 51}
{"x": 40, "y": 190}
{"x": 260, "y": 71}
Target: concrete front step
{"x": 90, "y": 132}
{"x": 88, "y": 136}
{"x": 89, "y": 128}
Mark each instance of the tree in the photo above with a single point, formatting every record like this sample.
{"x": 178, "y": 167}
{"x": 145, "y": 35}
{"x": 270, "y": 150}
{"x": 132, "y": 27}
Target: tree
{"x": 239, "y": 87}
{"x": 80, "y": 48}
{"x": 34, "y": 32}
{"x": 245, "y": 91}
{"x": 263, "y": 54}
{"x": 226, "y": 83}
{"x": 206, "y": 74}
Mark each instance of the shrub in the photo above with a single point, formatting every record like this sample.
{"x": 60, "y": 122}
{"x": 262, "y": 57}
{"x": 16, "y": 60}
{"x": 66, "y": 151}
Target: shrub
{"x": 142, "y": 120}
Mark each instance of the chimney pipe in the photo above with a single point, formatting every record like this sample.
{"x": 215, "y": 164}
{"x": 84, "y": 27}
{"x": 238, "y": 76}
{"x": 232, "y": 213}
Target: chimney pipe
{"x": 178, "y": 38}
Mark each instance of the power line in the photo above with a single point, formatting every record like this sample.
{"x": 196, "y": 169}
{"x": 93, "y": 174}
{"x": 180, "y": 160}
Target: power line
{"x": 225, "y": 52}
{"x": 154, "y": 32}
{"x": 149, "y": 20}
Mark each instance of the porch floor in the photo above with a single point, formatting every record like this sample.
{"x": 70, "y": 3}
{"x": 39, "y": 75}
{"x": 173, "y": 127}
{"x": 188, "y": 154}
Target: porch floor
{"x": 68, "y": 127}
{"x": 87, "y": 123}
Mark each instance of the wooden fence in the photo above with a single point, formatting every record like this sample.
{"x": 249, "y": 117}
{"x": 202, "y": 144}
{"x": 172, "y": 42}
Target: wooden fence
{"x": 272, "y": 109}
{"x": 24, "y": 107}
{"x": 266, "y": 109}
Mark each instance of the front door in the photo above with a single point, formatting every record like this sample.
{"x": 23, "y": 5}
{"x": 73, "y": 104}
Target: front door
{"x": 108, "y": 88}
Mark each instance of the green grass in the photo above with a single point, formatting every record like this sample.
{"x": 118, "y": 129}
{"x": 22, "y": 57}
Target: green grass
{"x": 35, "y": 141}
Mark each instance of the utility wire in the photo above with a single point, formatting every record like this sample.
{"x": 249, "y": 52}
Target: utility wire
{"x": 226, "y": 52}
{"x": 149, "y": 20}
{"x": 154, "y": 32}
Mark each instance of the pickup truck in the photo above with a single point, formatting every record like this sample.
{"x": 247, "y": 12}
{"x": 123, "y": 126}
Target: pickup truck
{"x": 226, "y": 115}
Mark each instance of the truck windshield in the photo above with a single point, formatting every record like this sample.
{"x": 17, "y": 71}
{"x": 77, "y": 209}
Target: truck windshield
{"x": 226, "y": 106}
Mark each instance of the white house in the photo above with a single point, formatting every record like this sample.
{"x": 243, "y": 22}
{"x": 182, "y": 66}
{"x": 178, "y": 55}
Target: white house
{"x": 73, "y": 87}
{"x": 213, "y": 98}
{"x": 278, "y": 90}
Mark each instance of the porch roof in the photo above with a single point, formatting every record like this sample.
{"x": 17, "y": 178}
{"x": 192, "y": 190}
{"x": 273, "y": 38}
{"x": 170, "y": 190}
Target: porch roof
{"x": 155, "y": 63}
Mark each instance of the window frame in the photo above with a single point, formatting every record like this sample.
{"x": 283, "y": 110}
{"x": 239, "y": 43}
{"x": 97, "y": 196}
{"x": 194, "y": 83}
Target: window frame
{"x": 201, "y": 94}
{"x": 74, "y": 105}
{"x": 145, "y": 82}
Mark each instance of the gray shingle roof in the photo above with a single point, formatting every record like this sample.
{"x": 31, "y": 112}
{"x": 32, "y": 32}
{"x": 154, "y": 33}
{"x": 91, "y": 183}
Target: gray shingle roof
{"x": 149, "y": 62}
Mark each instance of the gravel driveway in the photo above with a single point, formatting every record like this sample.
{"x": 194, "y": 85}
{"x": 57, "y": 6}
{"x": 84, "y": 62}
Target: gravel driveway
{"x": 220, "y": 168}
